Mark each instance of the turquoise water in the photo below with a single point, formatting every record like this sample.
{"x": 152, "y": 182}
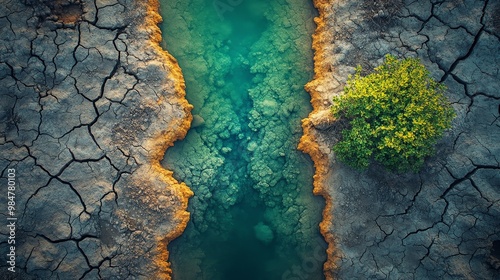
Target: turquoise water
{"x": 253, "y": 215}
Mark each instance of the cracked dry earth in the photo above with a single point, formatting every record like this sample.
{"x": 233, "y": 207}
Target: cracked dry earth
{"x": 89, "y": 104}
{"x": 444, "y": 222}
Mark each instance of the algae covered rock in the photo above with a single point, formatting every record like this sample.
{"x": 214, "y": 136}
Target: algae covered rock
{"x": 197, "y": 121}
{"x": 263, "y": 233}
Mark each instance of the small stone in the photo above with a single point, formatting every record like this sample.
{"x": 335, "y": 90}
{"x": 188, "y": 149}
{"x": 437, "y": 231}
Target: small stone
{"x": 197, "y": 121}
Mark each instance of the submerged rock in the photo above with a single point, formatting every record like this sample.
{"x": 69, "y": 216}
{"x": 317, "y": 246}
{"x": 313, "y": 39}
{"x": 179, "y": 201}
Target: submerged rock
{"x": 263, "y": 233}
{"x": 197, "y": 121}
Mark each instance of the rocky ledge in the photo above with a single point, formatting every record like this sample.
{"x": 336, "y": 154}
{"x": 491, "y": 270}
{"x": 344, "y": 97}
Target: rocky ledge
{"x": 443, "y": 222}
{"x": 89, "y": 105}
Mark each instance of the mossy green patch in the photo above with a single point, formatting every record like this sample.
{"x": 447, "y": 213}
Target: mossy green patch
{"x": 395, "y": 115}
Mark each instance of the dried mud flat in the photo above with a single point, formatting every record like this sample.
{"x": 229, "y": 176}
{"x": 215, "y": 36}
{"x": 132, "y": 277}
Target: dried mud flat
{"x": 89, "y": 103}
{"x": 444, "y": 222}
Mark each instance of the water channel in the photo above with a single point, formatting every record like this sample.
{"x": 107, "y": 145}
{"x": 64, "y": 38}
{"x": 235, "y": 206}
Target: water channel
{"x": 253, "y": 215}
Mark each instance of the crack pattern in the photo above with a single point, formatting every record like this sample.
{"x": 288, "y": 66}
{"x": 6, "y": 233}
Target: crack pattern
{"x": 89, "y": 105}
{"x": 442, "y": 222}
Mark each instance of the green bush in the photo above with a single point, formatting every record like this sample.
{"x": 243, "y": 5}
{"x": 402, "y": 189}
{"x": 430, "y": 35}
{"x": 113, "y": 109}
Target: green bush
{"x": 394, "y": 116}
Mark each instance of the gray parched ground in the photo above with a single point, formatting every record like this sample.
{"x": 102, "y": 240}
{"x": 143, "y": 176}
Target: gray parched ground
{"x": 82, "y": 107}
{"x": 444, "y": 222}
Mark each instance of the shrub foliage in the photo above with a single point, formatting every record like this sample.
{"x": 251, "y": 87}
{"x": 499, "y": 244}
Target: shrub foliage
{"x": 394, "y": 116}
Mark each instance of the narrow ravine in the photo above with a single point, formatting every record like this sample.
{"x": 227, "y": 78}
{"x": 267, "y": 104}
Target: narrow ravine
{"x": 253, "y": 215}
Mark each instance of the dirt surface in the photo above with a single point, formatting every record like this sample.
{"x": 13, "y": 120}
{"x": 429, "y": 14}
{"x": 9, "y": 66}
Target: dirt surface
{"x": 443, "y": 222}
{"x": 89, "y": 104}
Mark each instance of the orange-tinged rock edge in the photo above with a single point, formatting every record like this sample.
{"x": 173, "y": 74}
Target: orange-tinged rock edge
{"x": 309, "y": 142}
{"x": 165, "y": 139}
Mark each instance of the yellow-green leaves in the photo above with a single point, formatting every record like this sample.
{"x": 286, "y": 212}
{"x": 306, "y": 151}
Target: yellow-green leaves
{"x": 396, "y": 114}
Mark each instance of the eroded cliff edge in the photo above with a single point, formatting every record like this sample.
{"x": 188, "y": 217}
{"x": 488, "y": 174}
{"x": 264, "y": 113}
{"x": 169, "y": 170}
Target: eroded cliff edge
{"x": 443, "y": 222}
{"x": 90, "y": 103}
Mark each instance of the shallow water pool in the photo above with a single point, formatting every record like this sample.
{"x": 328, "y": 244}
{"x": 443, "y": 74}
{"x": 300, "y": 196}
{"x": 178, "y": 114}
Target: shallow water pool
{"x": 253, "y": 215}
